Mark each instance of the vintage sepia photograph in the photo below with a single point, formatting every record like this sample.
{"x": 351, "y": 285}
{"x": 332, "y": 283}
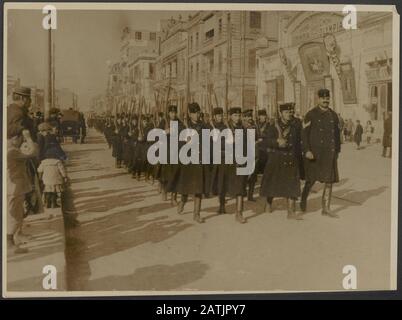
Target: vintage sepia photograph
{"x": 181, "y": 149}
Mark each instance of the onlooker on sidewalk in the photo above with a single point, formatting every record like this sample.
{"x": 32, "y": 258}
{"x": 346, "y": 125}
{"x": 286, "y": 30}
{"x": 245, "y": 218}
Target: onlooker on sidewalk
{"x": 341, "y": 126}
{"x": 369, "y": 131}
{"x": 20, "y": 148}
{"x": 53, "y": 174}
{"x": 48, "y": 139}
{"x": 358, "y": 134}
{"x": 387, "y": 137}
{"x": 350, "y": 129}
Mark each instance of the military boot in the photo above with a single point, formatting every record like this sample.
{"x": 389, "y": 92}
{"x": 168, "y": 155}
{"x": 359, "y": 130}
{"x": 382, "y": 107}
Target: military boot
{"x": 291, "y": 205}
{"x": 326, "y": 201}
{"x": 305, "y": 193}
{"x": 164, "y": 194}
{"x": 197, "y": 210}
{"x": 239, "y": 209}
{"x": 250, "y": 193}
{"x": 268, "y": 205}
{"x": 180, "y": 206}
{"x": 221, "y": 209}
{"x": 173, "y": 199}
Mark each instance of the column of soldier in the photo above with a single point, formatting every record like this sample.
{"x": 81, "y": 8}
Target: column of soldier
{"x": 288, "y": 150}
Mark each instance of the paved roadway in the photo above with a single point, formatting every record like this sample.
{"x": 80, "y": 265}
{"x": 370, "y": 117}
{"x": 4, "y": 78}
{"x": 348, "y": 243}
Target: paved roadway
{"x": 131, "y": 240}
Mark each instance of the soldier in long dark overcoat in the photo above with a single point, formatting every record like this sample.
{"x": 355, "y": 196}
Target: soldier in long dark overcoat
{"x": 120, "y": 132}
{"x": 321, "y": 145}
{"x": 225, "y": 180}
{"x": 169, "y": 173}
{"x": 262, "y": 125}
{"x": 133, "y": 140}
{"x": 193, "y": 177}
{"x": 281, "y": 175}
{"x": 108, "y": 130}
{"x": 248, "y": 123}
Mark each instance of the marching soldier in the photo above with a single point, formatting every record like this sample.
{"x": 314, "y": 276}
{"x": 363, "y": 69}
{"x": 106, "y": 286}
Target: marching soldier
{"x": 225, "y": 180}
{"x": 281, "y": 176}
{"x": 193, "y": 178}
{"x": 133, "y": 140}
{"x": 321, "y": 146}
{"x": 169, "y": 173}
{"x": 299, "y": 124}
{"x": 248, "y": 123}
{"x": 262, "y": 126}
{"x": 142, "y": 147}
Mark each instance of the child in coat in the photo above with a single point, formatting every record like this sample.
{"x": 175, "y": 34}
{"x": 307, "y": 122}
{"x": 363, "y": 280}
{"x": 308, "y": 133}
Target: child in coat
{"x": 53, "y": 175}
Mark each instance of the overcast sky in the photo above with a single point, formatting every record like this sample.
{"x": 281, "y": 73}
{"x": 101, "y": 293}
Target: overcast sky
{"x": 85, "y": 40}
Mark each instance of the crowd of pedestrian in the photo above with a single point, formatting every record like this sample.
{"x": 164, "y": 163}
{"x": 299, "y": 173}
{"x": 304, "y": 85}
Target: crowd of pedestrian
{"x": 35, "y": 170}
{"x": 353, "y": 131}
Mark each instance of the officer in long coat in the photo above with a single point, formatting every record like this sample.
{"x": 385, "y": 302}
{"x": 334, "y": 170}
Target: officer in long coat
{"x": 193, "y": 177}
{"x": 321, "y": 146}
{"x": 281, "y": 176}
{"x": 225, "y": 180}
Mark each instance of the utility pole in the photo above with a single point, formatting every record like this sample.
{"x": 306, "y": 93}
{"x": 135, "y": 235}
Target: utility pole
{"x": 228, "y": 60}
{"x": 53, "y": 75}
{"x": 243, "y": 54}
{"x": 49, "y": 99}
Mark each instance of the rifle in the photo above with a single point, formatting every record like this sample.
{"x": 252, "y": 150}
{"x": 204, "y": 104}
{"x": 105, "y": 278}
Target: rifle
{"x": 167, "y": 123}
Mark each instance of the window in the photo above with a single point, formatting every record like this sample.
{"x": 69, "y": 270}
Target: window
{"x": 251, "y": 60}
{"x": 192, "y": 72}
{"x": 197, "y": 69}
{"x": 220, "y": 26}
{"x": 255, "y": 19}
{"x": 228, "y": 17}
{"x": 152, "y": 36}
{"x": 138, "y": 35}
{"x": 191, "y": 42}
{"x": 151, "y": 70}
{"x": 209, "y": 34}
{"x": 196, "y": 40}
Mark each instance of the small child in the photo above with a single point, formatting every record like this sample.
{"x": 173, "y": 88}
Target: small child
{"x": 53, "y": 175}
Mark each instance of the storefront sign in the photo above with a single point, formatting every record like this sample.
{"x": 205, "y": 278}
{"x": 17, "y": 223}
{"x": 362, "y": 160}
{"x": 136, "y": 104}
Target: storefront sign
{"x": 316, "y": 26}
{"x": 348, "y": 84}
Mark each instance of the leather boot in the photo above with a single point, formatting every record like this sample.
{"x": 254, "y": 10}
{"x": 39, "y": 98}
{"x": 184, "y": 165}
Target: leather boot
{"x": 173, "y": 199}
{"x": 197, "y": 210}
{"x": 239, "y": 209}
{"x": 326, "y": 201}
{"x": 306, "y": 190}
{"x": 164, "y": 194}
{"x": 250, "y": 193}
{"x": 221, "y": 209}
{"x": 268, "y": 205}
{"x": 180, "y": 206}
{"x": 291, "y": 205}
